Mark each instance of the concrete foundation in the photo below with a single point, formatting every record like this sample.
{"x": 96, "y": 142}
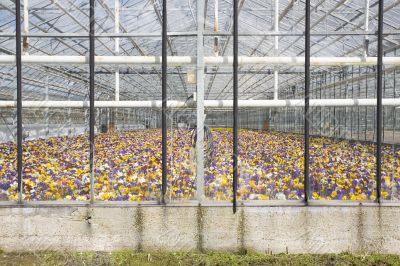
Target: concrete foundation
{"x": 266, "y": 229}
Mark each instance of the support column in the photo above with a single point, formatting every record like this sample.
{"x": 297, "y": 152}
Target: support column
{"x": 366, "y": 28}
{"x": 113, "y": 124}
{"x": 379, "y": 104}
{"x": 200, "y": 101}
{"x": 25, "y": 50}
{"x": 19, "y": 96}
{"x": 276, "y": 50}
{"x": 235, "y": 101}
{"x": 91, "y": 98}
{"x": 69, "y": 115}
{"x": 307, "y": 105}
{"x": 216, "y": 24}
{"x": 164, "y": 101}
{"x": 123, "y": 119}
{"x": 116, "y": 50}
{"x": 46, "y": 97}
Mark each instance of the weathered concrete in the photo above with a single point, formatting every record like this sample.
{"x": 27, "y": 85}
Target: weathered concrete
{"x": 266, "y": 229}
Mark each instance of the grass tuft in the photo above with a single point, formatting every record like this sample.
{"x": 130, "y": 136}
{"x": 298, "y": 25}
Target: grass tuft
{"x": 129, "y": 257}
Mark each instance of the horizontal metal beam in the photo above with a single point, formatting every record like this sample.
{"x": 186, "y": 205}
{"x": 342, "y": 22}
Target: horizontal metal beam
{"x": 208, "y": 71}
{"x": 191, "y": 60}
{"x": 191, "y": 34}
{"x": 301, "y": 103}
{"x": 207, "y": 103}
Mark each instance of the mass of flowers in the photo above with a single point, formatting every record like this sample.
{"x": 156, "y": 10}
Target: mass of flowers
{"x": 127, "y": 167}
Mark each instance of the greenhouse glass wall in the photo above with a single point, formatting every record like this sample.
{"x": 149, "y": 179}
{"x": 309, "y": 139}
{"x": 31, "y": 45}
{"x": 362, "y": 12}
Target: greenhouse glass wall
{"x": 241, "y": 101}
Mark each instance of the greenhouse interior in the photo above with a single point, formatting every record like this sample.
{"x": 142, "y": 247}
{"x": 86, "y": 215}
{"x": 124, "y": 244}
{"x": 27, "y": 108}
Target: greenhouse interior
{"x": 199, "y": 101}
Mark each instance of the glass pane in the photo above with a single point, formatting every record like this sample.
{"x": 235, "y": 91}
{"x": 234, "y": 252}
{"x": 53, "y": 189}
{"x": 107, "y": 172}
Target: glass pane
{"x": 391, "y": 135}
{"x": 218, "y": 138}
{"x": 128, "y": 140}
{"x": 271, "y": 153}
{"x": 182, "y": 124}
{"x": 271, "y": 138}
{"x": 343, "y": 142}
{"x": 8, "y": 119}
{"x": 8, "y": 154}
{"x": 55, "y": 140}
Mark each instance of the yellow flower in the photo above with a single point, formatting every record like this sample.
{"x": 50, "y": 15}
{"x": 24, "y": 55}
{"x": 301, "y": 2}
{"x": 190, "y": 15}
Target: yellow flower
{"x": 224, "y": 181}
{"x": 385, "y": 194}
{"x": 105, "y": 195}
{"x": 264, "y": 197}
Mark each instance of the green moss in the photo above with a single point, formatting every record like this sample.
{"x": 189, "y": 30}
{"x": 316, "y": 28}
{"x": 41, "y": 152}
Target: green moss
{"x": 128, "y": 257}
{"x": 139, "y": 224}
{"x": 200, "y": 227}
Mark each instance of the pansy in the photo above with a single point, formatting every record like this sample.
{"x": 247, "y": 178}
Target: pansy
{"x": 270, "y": 164}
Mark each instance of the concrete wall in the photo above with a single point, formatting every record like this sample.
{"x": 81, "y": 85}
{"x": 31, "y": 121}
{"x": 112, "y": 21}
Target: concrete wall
{"x": 265, "y": 229}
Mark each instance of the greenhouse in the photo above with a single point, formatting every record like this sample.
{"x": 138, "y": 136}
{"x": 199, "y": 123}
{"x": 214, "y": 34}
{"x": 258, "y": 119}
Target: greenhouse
{"x": 204, "y": 108}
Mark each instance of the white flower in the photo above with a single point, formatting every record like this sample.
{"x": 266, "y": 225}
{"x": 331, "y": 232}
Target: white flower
{"x": 280, "y": 196}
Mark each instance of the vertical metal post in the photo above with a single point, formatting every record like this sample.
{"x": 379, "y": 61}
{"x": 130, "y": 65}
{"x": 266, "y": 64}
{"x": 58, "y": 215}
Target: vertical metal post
{"x": 47, "y": 109}
{"x": 352, "y": 108}
{"x": 216, "y": 22}
{"x": 69, "y": 114}
{"x": 379, "y": 103}
{"x": 394, "y": 126}
{"x": 339, "y": 111}
{"x": 307, "y": 106}
{"x": 124, "y": 118}
{"x": 334, "y": 108}
{"x": 366, "y": 107}
{"x": 26, "y": 27}
{"x": 276, "y": 49}
{"x": 91, "y": 99}
{"x": 358, "y": 108}
{"x": 320, "y": 97}
{"x": 366, "y": 27}
{"x": 346, "y": 115}
{"x": 235, "y": 101}
{"x": 200, "y": 101}
{"x": 116, "y": 50}
{"x": 384, "y": 108}
{"x": 164, "y": 102}
{"x": 19, "y": 96}
{"x": 129, "y": 118}
{"x": 330, "y": 108}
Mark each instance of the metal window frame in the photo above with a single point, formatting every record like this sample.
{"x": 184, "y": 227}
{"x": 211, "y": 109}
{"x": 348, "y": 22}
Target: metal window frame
{"x": 307, "y": 103}
{"x": 379, "y": 103}
{"x": 19, "y": 96}
{"x": 164, "y": 100}
{"x": 235, "y": 154}
{"x": 200, "y": 102}
{"x": 91, "y": 97}
{"x": 204, "y": 203}
{"x": 307, "y": 199}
